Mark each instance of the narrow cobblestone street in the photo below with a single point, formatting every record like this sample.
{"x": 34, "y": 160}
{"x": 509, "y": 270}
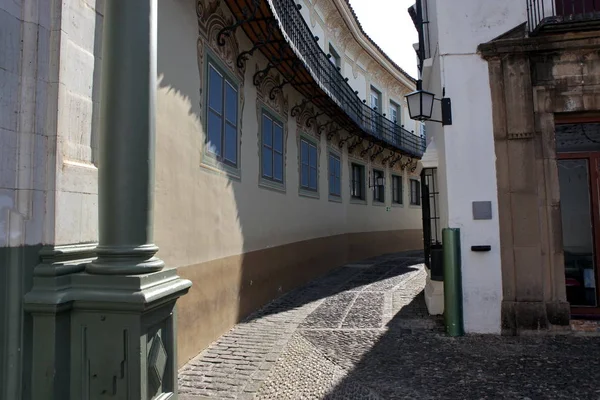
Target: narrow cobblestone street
{"x": 362, "y": 332}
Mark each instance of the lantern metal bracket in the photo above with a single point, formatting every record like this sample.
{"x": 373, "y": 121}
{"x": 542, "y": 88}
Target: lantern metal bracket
{"x": 446, "y": 106}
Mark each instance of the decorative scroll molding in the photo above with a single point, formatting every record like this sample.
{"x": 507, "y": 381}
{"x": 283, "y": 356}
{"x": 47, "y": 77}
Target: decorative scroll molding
{"x": 277, "y": 100}
{"x": 211, "y": 20}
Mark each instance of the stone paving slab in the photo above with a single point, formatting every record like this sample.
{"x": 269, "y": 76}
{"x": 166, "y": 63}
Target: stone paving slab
{"x": 363, "y": 332}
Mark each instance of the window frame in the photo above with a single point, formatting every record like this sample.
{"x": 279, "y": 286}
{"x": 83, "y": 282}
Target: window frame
{"x": 400, "y": 201}
{"x": 266, "y": 181}
{"x": 378, "y": 190}
{"x": 335, "y": 56}
{"x": 362, "y": 199}
{"x": 417, "y": 183}
{"x": 307, "y": 190}
{"x": 376, "y": 113}
{"x": 394, "y": 106}
{"x": 210, "y": 159}
{"x": 336, "y": 156}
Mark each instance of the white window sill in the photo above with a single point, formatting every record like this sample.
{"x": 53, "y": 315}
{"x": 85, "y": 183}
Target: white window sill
{"x": 358, "y": 201}
{"x": 271, "y": 185}
{"x": 308, "y": 193}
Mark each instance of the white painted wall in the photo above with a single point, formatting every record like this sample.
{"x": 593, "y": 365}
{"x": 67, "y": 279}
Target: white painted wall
{"x": 466, "y": 148}
{"x": 202, "y": 215}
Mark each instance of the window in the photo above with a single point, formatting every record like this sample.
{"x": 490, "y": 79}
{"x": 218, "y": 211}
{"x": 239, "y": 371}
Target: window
{"x": 222, "y": 116}
{"x": 272, "y": 149}
{"x": 395, "y": 113}
{"x": 335, "y": 57}
{"x": 308, "y": 165}
{"x": 397, "y": 192}
{"x": 415, "y": 192}
{"x": 334, "y": 175}
{"x": 378, "y": 190}
{"x": 375, "y": 105}
{"x": 358, "y": 182}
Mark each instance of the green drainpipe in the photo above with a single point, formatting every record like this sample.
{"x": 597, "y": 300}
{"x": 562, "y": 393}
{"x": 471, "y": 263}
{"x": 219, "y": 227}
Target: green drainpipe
{"x": 453, "y": 308}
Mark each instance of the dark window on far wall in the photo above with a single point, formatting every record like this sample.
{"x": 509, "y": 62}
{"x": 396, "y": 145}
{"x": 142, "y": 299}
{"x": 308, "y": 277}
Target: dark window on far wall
{"x": 358, "y": 182}
{"x": 379, "y": 190}
{"x": 415, "y": 192}
{"x": 397, "y": 192}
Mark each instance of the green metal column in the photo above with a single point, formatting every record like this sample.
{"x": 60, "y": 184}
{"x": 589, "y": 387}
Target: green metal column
{"x": 123, "y": 330}
{"x": 453, "y": 307}
{"x": 127, "y": 139}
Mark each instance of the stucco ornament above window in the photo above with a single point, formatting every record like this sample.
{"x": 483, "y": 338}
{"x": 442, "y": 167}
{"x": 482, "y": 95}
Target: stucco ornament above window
{"x": 213, "y": 16}
{"x": 270, "y": 93}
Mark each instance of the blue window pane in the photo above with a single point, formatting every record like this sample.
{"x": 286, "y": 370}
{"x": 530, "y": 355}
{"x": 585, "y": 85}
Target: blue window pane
{"x": 337, "y": 187}
{"x": 214, "y": 133}
{"x": 277, "y": 167}
{"x": 231, "y": 104}
{"x": 304, "y": 152}
{"x": 332, "y": 186}
{"x": 230, "y": 143}
{"x": 267, "y": 162}
{"x": 267, "y": 128}
{"x": 312, "y": 156}
{"x": 278, "y": 138}
{"x": 331, "y": 164}
{"x": 215, "y": 90}
{"x": 312, "y": 180}
{"x": 304, "y": 175}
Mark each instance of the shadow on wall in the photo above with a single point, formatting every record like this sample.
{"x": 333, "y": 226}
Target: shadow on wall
{"x": 208, "y": 224}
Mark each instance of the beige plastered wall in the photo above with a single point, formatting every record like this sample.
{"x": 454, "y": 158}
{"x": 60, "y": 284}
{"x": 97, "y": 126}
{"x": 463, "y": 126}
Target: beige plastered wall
{"x": 242, "y": 244}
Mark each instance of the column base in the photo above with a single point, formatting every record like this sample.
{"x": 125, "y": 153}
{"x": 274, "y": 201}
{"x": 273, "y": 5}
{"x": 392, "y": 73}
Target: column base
{"x": 105, "y": 335}
{"x": 434, "y": 295}
{"x": 527, "y": 316}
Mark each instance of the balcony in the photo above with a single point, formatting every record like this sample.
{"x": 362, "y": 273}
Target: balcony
{"x": 559, "y": 16}
{"x": 277, "y": 28}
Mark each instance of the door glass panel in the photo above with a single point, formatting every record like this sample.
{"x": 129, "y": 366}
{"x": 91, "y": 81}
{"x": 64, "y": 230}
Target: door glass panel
{"x": 578, "y": 238}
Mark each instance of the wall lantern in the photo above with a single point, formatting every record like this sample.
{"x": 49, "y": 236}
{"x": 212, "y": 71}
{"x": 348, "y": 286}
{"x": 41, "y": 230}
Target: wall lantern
{"x": 420, "y": 106}
{"x": 377, "y": 182}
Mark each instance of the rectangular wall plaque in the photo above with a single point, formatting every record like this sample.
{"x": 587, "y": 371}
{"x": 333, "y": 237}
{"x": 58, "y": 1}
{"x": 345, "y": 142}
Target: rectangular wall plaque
{"x": 482, "y": 210}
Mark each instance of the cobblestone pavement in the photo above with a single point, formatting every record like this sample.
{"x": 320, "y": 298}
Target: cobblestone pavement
{"x": 362, "y": 332}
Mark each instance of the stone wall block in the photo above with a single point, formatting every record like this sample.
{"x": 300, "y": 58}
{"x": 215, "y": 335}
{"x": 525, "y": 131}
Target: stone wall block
{"x": 518, "y": 96}
{"x": 522, "y": 171}
{"x": 525, "y": 219}
{"x": 528, "y": 267}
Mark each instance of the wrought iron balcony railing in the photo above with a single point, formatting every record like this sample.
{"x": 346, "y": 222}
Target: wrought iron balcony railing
{"x": 331, "y": 81}
{"x": 562, "y": 15}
